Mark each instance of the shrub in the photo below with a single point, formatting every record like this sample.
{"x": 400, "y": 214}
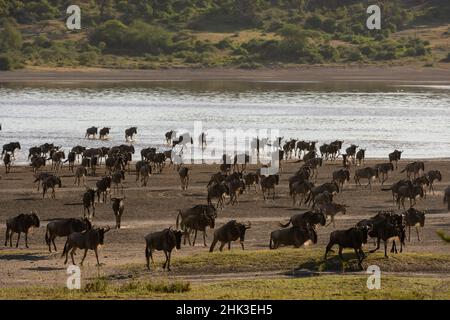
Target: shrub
{"x": 6, "y": 62}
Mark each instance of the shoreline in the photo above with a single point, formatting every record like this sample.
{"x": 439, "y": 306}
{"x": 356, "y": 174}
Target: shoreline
{"x": 364, "y": 73}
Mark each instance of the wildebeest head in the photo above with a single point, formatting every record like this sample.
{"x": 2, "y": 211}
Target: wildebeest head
{"x": 178, "y": 235}
{"x": 34, "y": 219}
{"x": 101, "y": 234}
{"x": 242, "y": 228}
{"x": 210, "y": 210}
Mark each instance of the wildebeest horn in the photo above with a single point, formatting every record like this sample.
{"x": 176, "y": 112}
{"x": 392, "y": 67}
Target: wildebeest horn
{"x": 248, "y": 225}
{"x": 106, "y": 229}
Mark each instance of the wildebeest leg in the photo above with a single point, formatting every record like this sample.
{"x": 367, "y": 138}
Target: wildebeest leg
{"x": 358, "y": 256}
{"x": 168, "y": 261}
{"x": 229, "y": 245}
{"x": 96, "y": 255}
{"x": 195, "y": 237}
{"x": 242, "y": 245}
{"x": 6, "y": 236}
{"x": 54, "y": 245}
{"x": 418, "y": 235}
{"x": 409, "y": 233}
{"x": 385, "y": 248}
{"x": 204, "y": 237}
{"x": 71, "y": 255}
{"x": 26, "y": 239}
{"x": 222, "y": 244}
{"x": 85, "y": 253}
{"x": 378, "y": 246}
{"x": 340, "y": 253}
{"x": 18, "y": 238}
{"x": 213, "y": 244}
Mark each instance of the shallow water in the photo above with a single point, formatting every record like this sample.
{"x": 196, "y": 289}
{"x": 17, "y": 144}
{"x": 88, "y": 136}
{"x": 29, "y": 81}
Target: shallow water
{"x": 378, "y": 117}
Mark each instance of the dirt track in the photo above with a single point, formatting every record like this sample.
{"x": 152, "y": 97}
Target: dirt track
{"x": 155, "y": 207}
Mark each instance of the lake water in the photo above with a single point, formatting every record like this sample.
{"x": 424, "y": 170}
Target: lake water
{"x": 377, "y": 117}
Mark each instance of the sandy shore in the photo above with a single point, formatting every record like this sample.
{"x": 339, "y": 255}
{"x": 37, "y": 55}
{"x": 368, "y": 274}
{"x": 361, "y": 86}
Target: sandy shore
{"x": 389, "y": 74}
{"x": 155, "y": 207}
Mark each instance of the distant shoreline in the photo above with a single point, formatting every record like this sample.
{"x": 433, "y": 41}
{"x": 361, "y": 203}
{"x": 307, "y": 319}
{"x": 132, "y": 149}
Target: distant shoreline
{"x": 387, "y": 74}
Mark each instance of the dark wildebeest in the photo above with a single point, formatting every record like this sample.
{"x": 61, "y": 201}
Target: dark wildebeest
{"x": 423, "y": 182}
{"x": 103, "y": 185}
{"x": 313, "y": 164}
{"x": 50, "y": 183}
{"x": 293, "y": 236}
{"x": 447, "y": 197}
{"x": 218, "y": 191}
{"x": 411, "y": 192}
{"x": 251, "y": 179}
{"x": 394, "y": 188}
{"x": 104, "y": 132}
{"x": 268, "y": 183}
{"x": 387, "y": 226}
{"x": 196, "y": 211}
{"x": 117, "y": 178}
{"x": 92, "y": 131}
{"x": 395, "y": 157}
{"x": 145, "y": 171}
{"x": 164, "y": 240}
{"x": 310, "y": 155}
{"x": 34, "y": 151}
{"x": 11, "y": 148}
{"x": 80, "y": 173}
{"x": 340, "y": 176}
{"x": 169, "y": 137}
{"x": 63, "y": 228}
{"x": 306, "y": 219}
{"x": 414, "y": 218}
{"x": 57, "y": 160}
{"x": 21, "y": 223}
{"x": 88, "y": 202}
{"x": 235, "y": 188}
{"x": 130, "y": 132}
{"x": 7, "y": 162}
{"x": 41, "y": 177}
{"x": 217, "y": 178}
{"x": 353, "y": 238}
{"x": 118, "y": 207}
{"x": 331, "y": 187}
{"x": 351, "y": 151}
{"x": 383, "y": 171}
{"x": 361, "y": 156}
{"x": 183, "y": 172}
{"x": 198, "y": 223}
{"x": 432, "y": 176}
{"x": 368, "y": 173}
{"x": 331, "y": 209}
{"x": 231, "y": 231}
{"x": 413, "y": 167}
{"x": 302, "y": 189}
{"x": 71, "y": 158}
{"x": 78, "y": 150}
{"x": 87, "y": 240}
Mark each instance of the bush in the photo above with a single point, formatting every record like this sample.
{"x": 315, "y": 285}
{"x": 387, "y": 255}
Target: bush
{"x": 10, "y": 37}
{"x": 6, "y": 62}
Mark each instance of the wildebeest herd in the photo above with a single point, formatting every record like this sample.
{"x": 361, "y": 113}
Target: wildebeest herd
{"x": 231, "y": 182}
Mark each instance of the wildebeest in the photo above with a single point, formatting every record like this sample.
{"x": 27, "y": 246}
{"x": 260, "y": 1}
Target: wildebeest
{"x": 183, "y": 172}
{"x": 169, "y": 136}
{"x": 331, "y": 209}
{"x": 88, "y": 202}
{"x": 118, "y": 207}
{"x": 395, "y": 157}
{"x": 351, "y": 151}
{"x": 78, "y": 150}
{"x": 21, "y": 223}
{"x": 7, "y": 162}
{"x": 306, "y": 220}
{"x": 313, "y": 165}
{"x": 432, "y": 176}
{"x": 413, "y": 167}
{"x": 218, "y": 191}
{"x": 11, "y": 148}
{"x": 217, "y": 178}
{"x": 361, "y": 156}
{"x": 414, "y": 218}
{"x": 57, "y": 158}
{"x": 423, "y": 182}
{"x": 353, "y": 238}
{"x": 330, "y": 187}
{"x": 117, "y": 178}
{"x": 80, "y": 173}
{"x": 251, "y": 179}
{"x": 50, "y": 183}
{"x": 71, "y": 158}
{"x": 63, "y": 228}
{"x": 197, "y": 223}
{"x": 383, "y": 171}
{"x": 92, "y": 131}
{"x": 447, "y": 197}
{"x": 368, "y": 173}
{"x": 396, "y": 186}
{"x": 235, "y": 188}
{"x": 231, "y": 231}
{"x": 199, "y": 212}
{"x": 301, "y": 188}
{"x": 293, "y": 236}
{"x": 145, "y": 172}
{"x": 340, "y": 176}
{"x": 164, "y": 240}
{"x": 268, "y": 183}
{"x": 87, "y": 240}
{"x": 104, "y": 132}
{"x": 130, "y": 132}
{"x": 103, "y": 185}
{"x": 411, "y": 192}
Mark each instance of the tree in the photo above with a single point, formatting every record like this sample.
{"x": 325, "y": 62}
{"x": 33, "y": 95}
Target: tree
{"x": 10, "y": 37}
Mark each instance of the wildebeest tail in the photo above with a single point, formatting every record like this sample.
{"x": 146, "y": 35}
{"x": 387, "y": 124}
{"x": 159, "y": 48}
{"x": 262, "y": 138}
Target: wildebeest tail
{"x": 47, "y": 238}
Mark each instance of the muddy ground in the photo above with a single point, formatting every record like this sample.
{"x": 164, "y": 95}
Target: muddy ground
{"x": 155, "y": 207}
